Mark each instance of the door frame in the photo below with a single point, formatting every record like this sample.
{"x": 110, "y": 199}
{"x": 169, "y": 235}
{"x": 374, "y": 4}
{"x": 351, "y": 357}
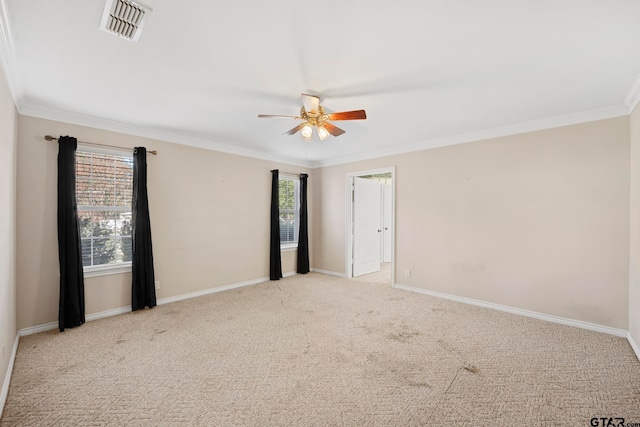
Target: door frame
{"x": 349, "y": 218}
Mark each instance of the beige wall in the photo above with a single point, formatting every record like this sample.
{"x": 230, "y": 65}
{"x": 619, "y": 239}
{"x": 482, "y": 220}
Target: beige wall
{"x": 537, "y": 221}
{"x": 634, "y": 253}
{"x": 209, "y": 217}
{"x": 8, "y": 328}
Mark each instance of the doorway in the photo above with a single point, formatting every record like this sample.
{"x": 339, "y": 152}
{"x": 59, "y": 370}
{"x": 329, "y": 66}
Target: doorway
{"x": 370, "y": 225}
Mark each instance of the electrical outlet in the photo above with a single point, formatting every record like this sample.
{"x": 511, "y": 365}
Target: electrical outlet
{"x": 407, "y": 273}
{"x": 157, "y": 284}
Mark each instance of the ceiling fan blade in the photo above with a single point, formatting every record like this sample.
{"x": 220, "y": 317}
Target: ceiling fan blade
{"x": 295, "y": 129}
{"x": 270, "y": 116}
{"x": 310, "y": 102}
{"x": 348, "y": 115}
{"x": 333, "y": 130}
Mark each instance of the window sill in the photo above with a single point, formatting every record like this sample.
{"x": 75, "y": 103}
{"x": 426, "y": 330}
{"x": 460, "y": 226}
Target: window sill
{"x": 289, "y": 247}
{"x": 105, "y": 270}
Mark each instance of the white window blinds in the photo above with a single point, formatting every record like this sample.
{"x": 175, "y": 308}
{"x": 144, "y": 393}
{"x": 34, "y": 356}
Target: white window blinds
{"x": 289, "y": 210}
{"x": 104, "y": 185}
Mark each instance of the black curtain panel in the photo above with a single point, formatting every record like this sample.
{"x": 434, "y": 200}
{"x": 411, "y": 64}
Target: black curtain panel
{"x": 275, "y": 263}
{"x": 71, "y": 305}
{"x": 303, "y": 235}
{"x": 143, "y": 291}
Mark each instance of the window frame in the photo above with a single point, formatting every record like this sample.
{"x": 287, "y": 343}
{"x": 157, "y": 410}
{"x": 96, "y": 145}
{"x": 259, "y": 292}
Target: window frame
{"x": 115, "y": 268}
{"x": 291, "y": 246}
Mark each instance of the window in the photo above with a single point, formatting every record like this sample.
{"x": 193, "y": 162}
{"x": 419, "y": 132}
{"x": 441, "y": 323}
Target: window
{"x": 289, "y": 211}
{"x": 104, "y": 186}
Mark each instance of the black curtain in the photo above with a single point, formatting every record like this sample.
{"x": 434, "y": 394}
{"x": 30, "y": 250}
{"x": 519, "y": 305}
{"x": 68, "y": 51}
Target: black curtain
{"x": 143, "y": 291}
{"x": 275, "y": 263}
{"x": 71, "y": 305}
{"x": 303, "y": 234}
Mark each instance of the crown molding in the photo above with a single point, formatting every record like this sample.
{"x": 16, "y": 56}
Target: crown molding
{"x": 633, "y": 97}
{"x": 116, "y": 126}
{"x": 9, "y": 66}
{"x": 7, "y": 57}
{"x": 524, "y": 127}
{"x": 147, "y": 132}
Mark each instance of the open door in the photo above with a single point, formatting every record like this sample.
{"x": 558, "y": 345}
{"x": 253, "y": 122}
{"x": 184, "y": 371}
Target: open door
{"x": 366, "y": 226}
{"x": 387, "y": 207}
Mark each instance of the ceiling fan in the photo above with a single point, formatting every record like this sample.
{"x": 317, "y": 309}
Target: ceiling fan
{"x": 313, "y": 115}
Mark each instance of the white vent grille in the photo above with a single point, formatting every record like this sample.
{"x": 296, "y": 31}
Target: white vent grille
{"x": 124, "y": 18}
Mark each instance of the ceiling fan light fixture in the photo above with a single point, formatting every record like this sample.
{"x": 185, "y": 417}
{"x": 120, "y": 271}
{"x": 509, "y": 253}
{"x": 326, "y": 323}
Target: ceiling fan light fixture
{"x": 306, "y": 131}
{"x": 312, "y": 115}
{"x": 322, "y": 133}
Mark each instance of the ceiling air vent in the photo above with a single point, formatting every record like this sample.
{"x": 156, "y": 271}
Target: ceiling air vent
{"x": 124, "y": 18}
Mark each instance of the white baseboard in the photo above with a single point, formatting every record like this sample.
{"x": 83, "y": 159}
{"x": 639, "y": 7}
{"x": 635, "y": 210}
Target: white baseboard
{"x": 38, "y": 328}
{"x": 7, "y": 377}
{"x": 526, "y": 313}
{"x": 121, "y": 310}
{"x": 89, "y": 317}
{"x": 329, "y": 273}
{"x": 634, "y": 345}
{"x": 107, "y": 313}
{"x": 218, "y": 289}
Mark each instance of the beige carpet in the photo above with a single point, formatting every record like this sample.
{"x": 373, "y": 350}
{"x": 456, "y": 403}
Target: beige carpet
{"x": 381, "y": 277}
{"x": 320, "y": 350}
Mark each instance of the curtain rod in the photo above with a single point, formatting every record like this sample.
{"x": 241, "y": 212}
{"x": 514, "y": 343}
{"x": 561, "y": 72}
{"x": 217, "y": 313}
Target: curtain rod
{"x": 290, "y": 173}
{"x": 51, "y": 138}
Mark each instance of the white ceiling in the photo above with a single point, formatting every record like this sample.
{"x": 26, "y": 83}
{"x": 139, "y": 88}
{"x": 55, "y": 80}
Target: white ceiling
{"x": 427, "y": 72}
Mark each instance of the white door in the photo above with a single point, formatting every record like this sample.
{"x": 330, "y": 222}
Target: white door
{"x": 386, "y": 223}
{"x": 366, "y": 226}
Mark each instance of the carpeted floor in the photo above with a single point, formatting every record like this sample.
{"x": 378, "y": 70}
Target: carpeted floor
{"x": 382, "y": 277}
{"x": 320, "y": 350}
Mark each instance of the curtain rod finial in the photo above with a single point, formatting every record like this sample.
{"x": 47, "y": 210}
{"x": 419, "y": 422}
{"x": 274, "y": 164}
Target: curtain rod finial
{"x": 49, "y": 138}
